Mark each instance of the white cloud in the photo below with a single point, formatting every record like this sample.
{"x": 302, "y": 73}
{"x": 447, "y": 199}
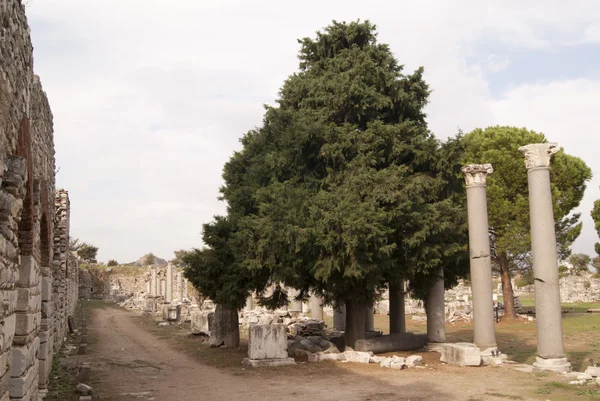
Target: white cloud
{"x": 150, "y": 97}
{"x": 567, "y": 113}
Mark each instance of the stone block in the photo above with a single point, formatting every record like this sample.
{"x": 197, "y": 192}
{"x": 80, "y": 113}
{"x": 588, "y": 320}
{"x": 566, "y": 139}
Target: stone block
{"x": 84, "y": 373}
{"x": 29, "y": 272}
{"x": 85, "y": 398}
{"x": 8, "y": 326}
{"x": 593, "y": 371}
{"x": 27, "y": 323}
{"x": 46, "y": 288}
{"x": 267, "y": 341}
{"x": 22, "y": 358}
{"x": 4, "y": 365}
{"x": 4, "y": 386}
{"x": 28, "y": 300}
{"x": 45, "y": 370}
{"x": 325, "y": 357}
{"x": 357, "y": 356}
{"x": 461, "y": 354}
{"x": 202, "y": 321}
{"x": 19, "y": 386}
{"x": 47, "y": 309}
{"x": 258, "y": 363}
{"x": 82, "y": 350}
{"x": 46, "y": 348}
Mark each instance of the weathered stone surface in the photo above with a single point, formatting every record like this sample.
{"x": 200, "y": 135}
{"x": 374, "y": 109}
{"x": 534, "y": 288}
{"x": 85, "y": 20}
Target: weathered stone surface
{"x": 392, "y": 342}
{"x": 258, "y": 363}
{"x": 461, "y": 354}
{"x": 202, "y": 321}
{"x": 593, "y": 371}
{"x": 267, "y": 342}
{"x": 357, "y": 356}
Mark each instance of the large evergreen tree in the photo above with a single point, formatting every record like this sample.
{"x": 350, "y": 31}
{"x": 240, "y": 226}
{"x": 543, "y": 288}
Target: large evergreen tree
{"x": 341, "y": 190}
{"x": 596, "y": 217}
{"x": 508, "y": 198}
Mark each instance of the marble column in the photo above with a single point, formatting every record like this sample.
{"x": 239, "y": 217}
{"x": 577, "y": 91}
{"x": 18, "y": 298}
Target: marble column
{"x": 153, "y": 283}
{"x": 249, "y": 305}
{"x": 186, "y": 292}
{"x": 339, "y": 317}
{"x": 163, "y": 285}
{"x": 148, "y": 288}
{"x": 479, "y": 255}
{"x": 397, "y": 308}
{"x": 169, "y": 283}
{"x": 436, "y": 312}
{"x": 369, "y": 319}
{"x": 548, "y": 314}
{"x": 316, "y": 307}
{"x": 295, "y": 306}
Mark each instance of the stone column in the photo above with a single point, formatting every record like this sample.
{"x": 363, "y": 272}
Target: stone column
{"x": 369, "y": 318}
{"x": 316, "y": 307}
{"x": 169, "y": 283}
{"x": 186, "y": 293}
{"x": 248, "y": 306}
{"x": 479, "y": 255}
{"x": 548, "y": 314}
{"x": 148, "y": 288}
{"x": 153, "y": 282}
{"x": 436, "y": 312}
{"x": 295, "y": 306}
{"x": 163, "y": 288}
{"x": 339, "y": 317}
{"x": 397, "y": 309}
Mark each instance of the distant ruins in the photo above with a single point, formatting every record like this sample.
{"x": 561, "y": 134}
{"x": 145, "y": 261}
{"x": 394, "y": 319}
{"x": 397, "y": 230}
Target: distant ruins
{"x": 38, "y": 279}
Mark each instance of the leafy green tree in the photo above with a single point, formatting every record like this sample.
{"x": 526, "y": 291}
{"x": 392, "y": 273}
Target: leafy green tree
{"x": 580, "y": 262}
{"x": 217, "y": 275}
{"x": 179, "y": 255}
{"x": 341, "y": 190}
{"x": 148, "y": 259}
{"x": 508, "y": 198}
{"x": 87, "y": 252}
{"x": 112, "y": 262}
{"x": 596, "y": 264}
{"x": 596, "y": 217}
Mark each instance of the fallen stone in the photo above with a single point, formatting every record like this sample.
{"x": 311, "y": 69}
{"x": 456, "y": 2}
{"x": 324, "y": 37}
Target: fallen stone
{"x": 82, "y": 350}
{"x": 83, "y": 389}
{"x": 84, "y": 372}
{"x": 577, "y": 382}
{"x": 310, "y": 345}
{"x": 358, "y": 357}
{"x": 584, "y": 376}
{"x": 256, "y": 363}
{"x": 392, "y": 342}
{"x": 397, "y": 365}
{"x": 375, "y": 359}
{"x": 593, "y": 371}
{"x": 85, "y": 398}
{"x": 461, "y": 354}
{"x": 326, "y": 357}
{"x": 386, "y": 362}
{"x": 202, "y": 322}
{"x": 414, "y": 360}
{"x": 164, "y": 324}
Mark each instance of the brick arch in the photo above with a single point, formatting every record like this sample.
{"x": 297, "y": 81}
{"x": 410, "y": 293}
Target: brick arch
{"x": 27, "y": 214}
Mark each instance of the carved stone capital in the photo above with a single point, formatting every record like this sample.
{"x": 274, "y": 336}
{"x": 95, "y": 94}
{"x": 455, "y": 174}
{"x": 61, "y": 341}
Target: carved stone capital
{"x": 476, "y": 174}
{"x": 537, "y": 155}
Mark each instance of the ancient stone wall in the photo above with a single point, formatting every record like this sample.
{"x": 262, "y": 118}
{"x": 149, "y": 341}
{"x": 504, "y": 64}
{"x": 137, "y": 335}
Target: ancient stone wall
{"x": 27, "y": 216}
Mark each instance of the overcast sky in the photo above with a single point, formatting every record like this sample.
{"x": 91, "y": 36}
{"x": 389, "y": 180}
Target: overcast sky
{"x": 150, "y": 97}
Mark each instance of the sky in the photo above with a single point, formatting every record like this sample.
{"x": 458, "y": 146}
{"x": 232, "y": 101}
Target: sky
{"x": 150, "y": 97}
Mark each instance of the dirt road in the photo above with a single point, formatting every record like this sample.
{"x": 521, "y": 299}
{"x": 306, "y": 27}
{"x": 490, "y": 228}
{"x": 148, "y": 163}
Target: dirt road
{"x": 129, "y": 363}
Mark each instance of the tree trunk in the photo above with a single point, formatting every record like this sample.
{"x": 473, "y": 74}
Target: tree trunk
{"x": 397, "y": 315}
{"x": 226, "y": 329}
{"x": 510, "y": 312}
{"x": 355, "y": 322}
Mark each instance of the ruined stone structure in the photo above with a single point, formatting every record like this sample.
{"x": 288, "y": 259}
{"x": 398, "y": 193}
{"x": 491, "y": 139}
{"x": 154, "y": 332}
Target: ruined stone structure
{"x": 36, "y": 280}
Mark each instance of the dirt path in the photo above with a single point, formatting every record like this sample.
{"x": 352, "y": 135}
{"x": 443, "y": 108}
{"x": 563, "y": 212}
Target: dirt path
{"x": 129, "y": 363}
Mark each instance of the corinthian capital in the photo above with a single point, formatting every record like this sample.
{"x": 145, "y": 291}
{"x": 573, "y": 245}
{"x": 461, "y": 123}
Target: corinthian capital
{"x": 538, "y": 154}
{"x": 476, "y": 174}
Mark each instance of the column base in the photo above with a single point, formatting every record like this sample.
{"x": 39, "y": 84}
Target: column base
{"x": 434, "y": 347}
{"x": 560, "y": 365}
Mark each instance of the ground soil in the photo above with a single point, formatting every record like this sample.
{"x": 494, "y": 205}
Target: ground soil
{"x": 133, "y": 359}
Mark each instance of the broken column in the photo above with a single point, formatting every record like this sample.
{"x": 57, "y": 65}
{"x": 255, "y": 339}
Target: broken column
{"x": 169, "y": 283}
{"x": 295, "y": 307}
{"x": 436, "y": 312}
{"x": 479, "y": 255}
{"x": 186, "y": 294}
{"x": 397, "y": 311}
{"x": 548, "y": 314}
{"x": 339, "y": 317}
{"x": 316, "y": 307}
{"x": 267, "y": 346}
{"x": 249, "y": 305}
{"x": 153, "y": 282}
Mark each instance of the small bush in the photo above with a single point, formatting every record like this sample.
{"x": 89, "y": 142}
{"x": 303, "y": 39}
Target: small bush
{"x": 112, "y": 262}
